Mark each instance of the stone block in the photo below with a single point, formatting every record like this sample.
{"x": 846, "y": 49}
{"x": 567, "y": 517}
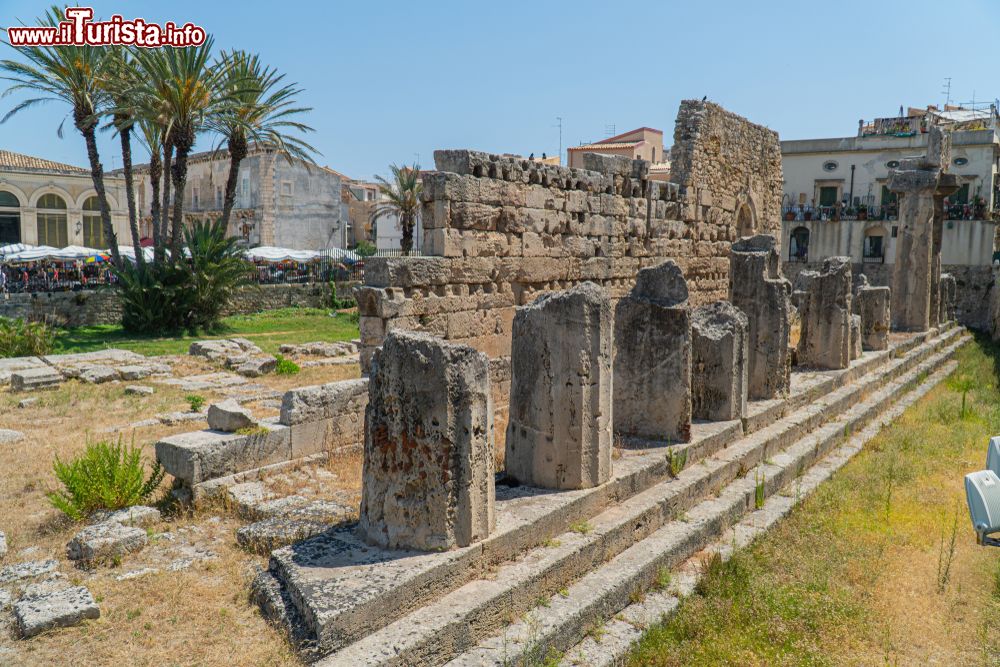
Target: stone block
{"x": 34, "y": 379}
{"x": 872, "y": 304}
{"x": 652, "y": 357}
{"x": 59, "y": 609}
{"x": 28, "y": 570}
{"x": 97, "y": 374}
{"x": 9, "y": 436}
{"x": 199, "y": 456}
{"x": 825, "y": 334}
{"x": 218, "y": 350}
{"x": 137, "y": 515}
{"x": 104, "y": 542}
{"x": 559, "y": 430}
{"x": 758, "y": 289}
{"x": 139, "y": 390}
{"x": 326, "y": 416}
{"x": 229, "y": 416}
{"x": 719, "y": 343}
{"x": 428, "y": 460}
{"x": 257, "y": 366}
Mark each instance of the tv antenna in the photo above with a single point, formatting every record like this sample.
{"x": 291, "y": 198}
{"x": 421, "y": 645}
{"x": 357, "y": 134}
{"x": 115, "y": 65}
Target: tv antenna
{"x": 609, "y": 130}
{"x": 947, "y": 90}
{"x": 559, "y": 125}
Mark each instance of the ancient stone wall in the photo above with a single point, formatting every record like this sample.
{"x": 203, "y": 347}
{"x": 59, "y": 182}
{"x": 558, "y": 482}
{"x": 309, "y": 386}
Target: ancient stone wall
{"x": 75, "y": 309}
{"x": 499, "y": 231}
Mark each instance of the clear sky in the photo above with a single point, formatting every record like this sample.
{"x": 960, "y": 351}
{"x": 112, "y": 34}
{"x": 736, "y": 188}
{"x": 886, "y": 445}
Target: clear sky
{"x": 393, "y": 81}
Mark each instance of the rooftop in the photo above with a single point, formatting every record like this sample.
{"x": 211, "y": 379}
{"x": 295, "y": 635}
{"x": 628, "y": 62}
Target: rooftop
{"x": 11, "y": 161}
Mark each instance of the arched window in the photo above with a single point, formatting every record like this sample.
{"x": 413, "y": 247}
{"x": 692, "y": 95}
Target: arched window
{"x": 93, "y": 227}
{"x": 52, "y": 227}
{"x": 745, "y": 223}
{"x": 798, "y": 245}
{"x": 10, "y": 218}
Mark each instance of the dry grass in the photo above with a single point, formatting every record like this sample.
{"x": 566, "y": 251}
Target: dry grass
{"x": 852, "y": 576}
{"x": 200, "y": 616}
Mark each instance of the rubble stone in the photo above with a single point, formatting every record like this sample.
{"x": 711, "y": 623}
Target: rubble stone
{"x": 137, "y": 515}
{"x": 560, "y": 419}
{"x": 105, "y": 541}
{"x": 719, "y": 342}
{"x": 428, "y": 460}
{"x": 320, "y": 349}
{"x": 257, "y": 366}
{"x": 9, "y": 436}
{"x": 97, "y": 374}
{"x": 3, "y": 544}
{"x": 139, "y": 390}
{"x": 28, "y": 570}
{"x": 758, "y": 289}
{"x": 27, "y": 402}
{"x": 264, "y": 536}
{"x": 652, "y": 357}
{"x": 229, "y": 416}
{"x": 872, "y": 304}
{"x": 58, "y": 609}
{"x": 825, "y": 336}
{"x": 218, "y": 350}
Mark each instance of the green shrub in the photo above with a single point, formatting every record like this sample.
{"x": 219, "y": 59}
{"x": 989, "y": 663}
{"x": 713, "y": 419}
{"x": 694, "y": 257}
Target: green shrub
{"x": 365, "y": 249}
{"x": 286, "y": 366}
{"x": 108, "y": 476}
{"x": 24, "y": 339}
{"x": 195, "y": 401}
{"x": 336, "y": 303}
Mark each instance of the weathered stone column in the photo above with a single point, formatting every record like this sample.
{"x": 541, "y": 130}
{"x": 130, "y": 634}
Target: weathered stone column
{"x": 921, "y": 184}
{"x": 949, "y": 298}
{"x": 559, "y": 426}
{"x": 719, "y": 340}
{"x": 856, "y": 348}
{"x": 825, "y": 338}
{"x": 652, "y": 363}
{"x": 757, "y": 288}
{"x": 872, "y": 304}
{"x": 429, "y": 462}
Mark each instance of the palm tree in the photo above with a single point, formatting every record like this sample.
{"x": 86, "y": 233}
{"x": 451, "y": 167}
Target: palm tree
{"x": 152, "y": 138}
{"x": 118, "y": 81}
{"x": 69, "y": 74}
{"x": 259, "y": 113}
{"x": 187, "y": 90}
{"x": 402, "y": 198}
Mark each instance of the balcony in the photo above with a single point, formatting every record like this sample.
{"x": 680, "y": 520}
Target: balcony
{"x": 873, "y": 258}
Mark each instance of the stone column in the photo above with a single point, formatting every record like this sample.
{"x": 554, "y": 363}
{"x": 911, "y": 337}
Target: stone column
{"x": 921, "y": 184}
{"x": 757, "y": 288}
{"x": 429, "y": 461}
{"x": 719, "y": 340}
{"x": 872, "y": 304}
{"x": 949, "y": 298}
{"x": 559, "y": 425}
{"x": 652, "y": 362}
{"x": 856, "y": 348}
{"x": 825, "y": 337}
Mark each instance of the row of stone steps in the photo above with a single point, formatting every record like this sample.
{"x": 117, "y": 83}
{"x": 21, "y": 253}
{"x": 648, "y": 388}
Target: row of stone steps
{"x": 449, "y": 620}
{"x": 619, "y": 634}
{"x": 594, "y": 599}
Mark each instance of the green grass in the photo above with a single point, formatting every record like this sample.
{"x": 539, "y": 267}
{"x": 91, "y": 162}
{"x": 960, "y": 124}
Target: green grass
{"x": 854, "y": 574}
{"x": 268, "y": 330}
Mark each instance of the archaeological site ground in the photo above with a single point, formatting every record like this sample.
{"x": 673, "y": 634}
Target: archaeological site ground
{"x": 596, "y": 422}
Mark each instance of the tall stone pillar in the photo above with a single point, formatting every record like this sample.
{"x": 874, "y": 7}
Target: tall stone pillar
{"x": 428, "y": 478}
{"x": 872, "y": 304}
{"x": 757, "y": 288}
{"x": 825, "y": 309}
{"x": 921, "y": 184}
{"x": 652, "y": 365}
{"x": 559, "y": 425}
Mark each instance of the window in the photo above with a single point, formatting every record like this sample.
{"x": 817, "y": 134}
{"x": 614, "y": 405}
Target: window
{"x": 93, "y": 228}
{"x": 828, "y": 195}
{"x": 195, "y": 203}
{"x": 798, "y": 245}
{"x": 10, "y": 220}
{"x": 218, "y": 197}
{"x": 873, "y": 247}
{"x": 892, "y": 164}
{"x": 286, "y": 188}
{"x": 960, "y": 161}
{"x": 51, "y": 216}
{"x": 888, "y": 196}
{"x": 961, "y": 196}
{"x": 830, "y": 165}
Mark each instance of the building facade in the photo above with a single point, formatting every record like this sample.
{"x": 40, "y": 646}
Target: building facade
{"x": 644, "y": 143}
{"x": 836, "y": 198}
{"x": 289, "y": 204}
{"x": 50, "y": 203}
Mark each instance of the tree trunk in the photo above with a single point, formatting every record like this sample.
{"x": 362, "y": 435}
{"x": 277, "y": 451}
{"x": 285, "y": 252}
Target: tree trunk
{"x": 406, "y": 223}
{"x": 155, "y": 172}
{"x": 183, "y": 145}
{"x": 168, "y": 151}
{"x": 125, "y": 133}
{"x": 86, "y": 128}
{"x": 237, "y": 151}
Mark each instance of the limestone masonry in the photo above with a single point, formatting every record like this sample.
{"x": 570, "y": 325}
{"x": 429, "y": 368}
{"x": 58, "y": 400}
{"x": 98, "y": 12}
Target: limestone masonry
{"x": 720, "y": 335}
{"x": 826, "y": 316}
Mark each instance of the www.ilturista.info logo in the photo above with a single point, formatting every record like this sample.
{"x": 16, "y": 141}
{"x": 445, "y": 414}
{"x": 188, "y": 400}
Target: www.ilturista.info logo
{"x": 80, "y": 30}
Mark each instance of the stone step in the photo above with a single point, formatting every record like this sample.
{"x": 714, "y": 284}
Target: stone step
{"x": 635, "y": 516}
{"x": 563, "y": 620}
{"x": 627, "y": 627}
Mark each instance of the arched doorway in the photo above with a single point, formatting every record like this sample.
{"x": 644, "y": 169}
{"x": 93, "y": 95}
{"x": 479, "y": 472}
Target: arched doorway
{"x": 746, "y": 224}
{"x": 798, "y": 245}
{"x": 52, "y": 226}
{"x": 10, "y": 218}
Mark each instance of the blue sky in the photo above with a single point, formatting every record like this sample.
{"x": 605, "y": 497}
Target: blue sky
{"x": 392, "y": 81}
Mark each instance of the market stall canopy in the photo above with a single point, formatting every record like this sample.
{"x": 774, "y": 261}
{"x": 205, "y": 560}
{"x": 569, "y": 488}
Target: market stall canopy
{"x": 128, "y": 252}
{"x": 273, "y": 254}
{"x": 32, "y": 254}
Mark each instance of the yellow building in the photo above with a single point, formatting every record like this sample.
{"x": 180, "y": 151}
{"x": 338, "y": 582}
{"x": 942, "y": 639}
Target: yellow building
{"x": 644, "y": 143}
